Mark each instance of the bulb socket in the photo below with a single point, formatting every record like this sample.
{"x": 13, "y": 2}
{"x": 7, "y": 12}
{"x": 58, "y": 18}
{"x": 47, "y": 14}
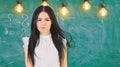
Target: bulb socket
{"x": 63, "y": 5}
{"x": 85, "y": 0}
{"x": 102, "y": 5}
{"x": 44, "y": 0}
{"x": 18, "y": 2}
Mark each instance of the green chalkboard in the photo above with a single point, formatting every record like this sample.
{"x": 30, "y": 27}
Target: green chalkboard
{"x": 96, "y": 40}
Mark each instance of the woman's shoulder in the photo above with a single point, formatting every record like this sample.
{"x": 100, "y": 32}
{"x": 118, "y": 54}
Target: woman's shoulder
{"x": 25, "y": 42}
{"x": 24, "y": 38}
{"x": 64, "y": 42}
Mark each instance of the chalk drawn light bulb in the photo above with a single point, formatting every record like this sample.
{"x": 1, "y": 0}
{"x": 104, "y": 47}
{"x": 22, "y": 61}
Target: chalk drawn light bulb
{"x": 86, "y": 5}
{"x": 64, "y": 11}
{"x": 44, "y": 3}
{"x": 19, "y": 8}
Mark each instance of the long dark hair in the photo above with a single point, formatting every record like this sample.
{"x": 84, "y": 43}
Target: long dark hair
{"x": 56, "y": 33}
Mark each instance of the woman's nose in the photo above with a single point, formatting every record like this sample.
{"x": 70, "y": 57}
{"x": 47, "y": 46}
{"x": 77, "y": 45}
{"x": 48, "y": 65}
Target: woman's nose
{"x": 43, "y": 22}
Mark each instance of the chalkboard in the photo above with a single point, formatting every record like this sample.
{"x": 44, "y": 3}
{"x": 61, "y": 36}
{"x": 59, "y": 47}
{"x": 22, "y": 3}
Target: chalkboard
{"x": 96, "y": 40}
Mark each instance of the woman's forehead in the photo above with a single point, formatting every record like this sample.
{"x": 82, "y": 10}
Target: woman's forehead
{"x": 43, "y": 15}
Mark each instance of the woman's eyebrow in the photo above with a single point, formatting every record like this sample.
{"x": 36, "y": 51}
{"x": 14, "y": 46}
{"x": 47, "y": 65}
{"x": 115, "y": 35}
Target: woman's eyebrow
{"x": 47, "y": 18}
{"x": 39, "y": 18}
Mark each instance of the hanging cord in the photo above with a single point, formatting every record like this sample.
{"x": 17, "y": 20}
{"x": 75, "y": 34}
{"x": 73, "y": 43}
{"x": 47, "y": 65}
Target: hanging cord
{"x": 103, "y": 3}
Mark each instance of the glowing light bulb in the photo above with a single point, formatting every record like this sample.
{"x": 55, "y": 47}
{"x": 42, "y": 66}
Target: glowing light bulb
{"x": 19, "y": 8}
{"x": 86, "y": 6}
{"x": 44, "y": 3}
{"x": 64, "y": 11}
{"x": 103, "y": 12}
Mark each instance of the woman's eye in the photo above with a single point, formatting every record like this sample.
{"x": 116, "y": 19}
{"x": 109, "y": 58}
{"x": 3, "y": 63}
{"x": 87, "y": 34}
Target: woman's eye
{"x": 39, "y": 20}
{"x": 47, "y": 19}
{"x": 43, "y": 20}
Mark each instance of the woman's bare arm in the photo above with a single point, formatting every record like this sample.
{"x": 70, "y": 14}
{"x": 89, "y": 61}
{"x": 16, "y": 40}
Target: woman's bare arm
{"x": 27, "y": 62}
{"x": 64, "y": 60}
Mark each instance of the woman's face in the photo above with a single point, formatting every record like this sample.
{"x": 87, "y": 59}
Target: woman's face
{"x": 44, "y": 23}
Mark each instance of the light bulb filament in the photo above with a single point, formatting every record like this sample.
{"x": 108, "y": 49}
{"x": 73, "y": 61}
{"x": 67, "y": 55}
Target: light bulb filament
{"x": 64, "y": 11}
{"x": 86, "y": 6}
{"x": 19, "y": 8}
{"x": 103, "y": 11}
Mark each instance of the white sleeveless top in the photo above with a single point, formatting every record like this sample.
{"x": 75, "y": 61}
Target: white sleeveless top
{"x": 46, "y": 54}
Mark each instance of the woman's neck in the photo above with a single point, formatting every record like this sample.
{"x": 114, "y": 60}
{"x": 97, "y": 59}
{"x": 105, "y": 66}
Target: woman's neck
{"x": 46, "y": 33}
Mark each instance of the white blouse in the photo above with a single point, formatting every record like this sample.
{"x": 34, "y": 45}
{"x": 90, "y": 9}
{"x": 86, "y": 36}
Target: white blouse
{"x": 46, "y": 54}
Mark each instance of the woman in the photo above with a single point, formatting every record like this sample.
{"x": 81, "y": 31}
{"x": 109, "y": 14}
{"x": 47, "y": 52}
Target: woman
{"x": 46, "y": 46}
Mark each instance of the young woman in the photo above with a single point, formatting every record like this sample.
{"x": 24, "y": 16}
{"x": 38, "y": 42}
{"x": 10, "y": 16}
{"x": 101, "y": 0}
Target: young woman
{"x": 46, "y": 46}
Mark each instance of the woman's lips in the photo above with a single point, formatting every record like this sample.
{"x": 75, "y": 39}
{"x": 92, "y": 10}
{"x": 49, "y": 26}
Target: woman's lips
{"x": 43, "y": 27}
